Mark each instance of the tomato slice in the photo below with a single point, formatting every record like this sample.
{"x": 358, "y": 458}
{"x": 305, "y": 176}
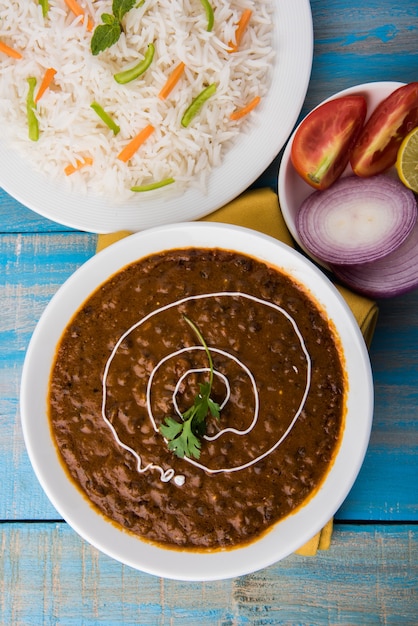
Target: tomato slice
{"x": 378, "y": 143}
{"x": 323, "y": 142}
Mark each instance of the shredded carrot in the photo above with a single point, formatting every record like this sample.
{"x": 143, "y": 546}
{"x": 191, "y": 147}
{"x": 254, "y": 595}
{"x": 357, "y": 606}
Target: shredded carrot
{"x": 241, "y": 27}
{"x": 10, "y": 51}
{"x": 172, "y": 80}
{"x": 130, "y": 149}
{"x": 78, "y": 10}
{"x": 239, "y": 113}
{"x": 46, "y": 81}
{"x": 70, "y": 169}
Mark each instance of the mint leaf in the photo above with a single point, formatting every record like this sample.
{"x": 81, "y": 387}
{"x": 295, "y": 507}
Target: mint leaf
{"x": 108, "y": 19}
{"x": 105, "y": 35}
{"x": 121, "y": 7}
{"x": 108, "y": 33}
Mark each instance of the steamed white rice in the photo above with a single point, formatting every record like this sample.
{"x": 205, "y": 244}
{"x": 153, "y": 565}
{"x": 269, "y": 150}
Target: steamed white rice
{"x": 71, "y": 130}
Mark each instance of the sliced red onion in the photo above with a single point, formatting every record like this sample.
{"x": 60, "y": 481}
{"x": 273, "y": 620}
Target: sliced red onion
{"x": 394, "y": 274}
{"x": 357, "y": 220}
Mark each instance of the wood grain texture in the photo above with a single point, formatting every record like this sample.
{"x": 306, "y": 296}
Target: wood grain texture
{"x": 360, "y": 42}
{"x": 76, "y": 584}
{"x": 392, "y": 457}
{"x": 16, "y": 218}
{"x": 32, "y": 268}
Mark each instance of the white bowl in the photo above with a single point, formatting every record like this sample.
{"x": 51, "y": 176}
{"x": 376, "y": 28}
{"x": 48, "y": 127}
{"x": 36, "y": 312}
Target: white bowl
{"x": 292, "y": 189}
{"x": 290, "y": 533}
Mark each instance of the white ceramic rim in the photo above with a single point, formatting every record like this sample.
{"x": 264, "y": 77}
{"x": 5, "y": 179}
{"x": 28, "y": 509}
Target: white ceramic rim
{"x": 292, "y": 190}
{"x": 242, "y": 165}
{"x": 289, "y": 534}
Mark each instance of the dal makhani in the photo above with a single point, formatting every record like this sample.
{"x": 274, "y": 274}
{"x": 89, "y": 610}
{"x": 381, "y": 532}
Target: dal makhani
{"x": 128, "y": 359}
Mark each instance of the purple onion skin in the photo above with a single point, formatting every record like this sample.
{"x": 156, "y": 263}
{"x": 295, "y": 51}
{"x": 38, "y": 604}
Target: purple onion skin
{"x": 390, "y": 276}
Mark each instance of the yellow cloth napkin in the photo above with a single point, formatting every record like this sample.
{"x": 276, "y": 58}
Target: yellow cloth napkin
{"x": 259, "y": 209}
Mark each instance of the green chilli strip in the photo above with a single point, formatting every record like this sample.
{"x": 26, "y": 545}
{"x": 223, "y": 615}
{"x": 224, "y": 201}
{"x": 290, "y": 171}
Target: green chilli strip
{"x": 134, "y": 72}
{"x": 209, "y": 13}
{"x": 197, "y": 104}
{"x": 33, "y": 125}
{"x": 151, "y": 186}
{"x": 105, "y": 117}
{"x": 45, "y": 7}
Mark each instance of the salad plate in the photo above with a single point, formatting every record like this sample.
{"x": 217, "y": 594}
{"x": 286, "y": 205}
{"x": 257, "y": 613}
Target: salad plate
{"x": 292, "y": 189}
{"x": 241, "y": 165}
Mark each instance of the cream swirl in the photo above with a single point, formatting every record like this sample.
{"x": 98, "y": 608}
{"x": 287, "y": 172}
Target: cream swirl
{"x": 169, "y": 474}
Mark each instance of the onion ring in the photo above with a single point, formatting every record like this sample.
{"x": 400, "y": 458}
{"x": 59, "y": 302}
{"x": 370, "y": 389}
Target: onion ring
{"x": 393, "y": 275}
{"x": 357, "y": 220}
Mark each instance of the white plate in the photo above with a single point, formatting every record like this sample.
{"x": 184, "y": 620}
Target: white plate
{"x": 292, "y": 189}
{"x": 287, "y": 535}
{"x": 242, "y": 164}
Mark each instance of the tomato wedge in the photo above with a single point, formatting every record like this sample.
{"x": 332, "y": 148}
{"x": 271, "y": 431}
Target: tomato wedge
{"x": 323, "y": 142}
{"x": 378, "y": 143}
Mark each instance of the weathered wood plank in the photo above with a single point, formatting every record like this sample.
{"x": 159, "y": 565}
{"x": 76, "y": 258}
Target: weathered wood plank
{"x": 50, "y": 576}
{"x": 16, "y": 218}
{"x": 34, "y": 266}
{"x": 392, "y": 458}
{"x": 360, "y": 42}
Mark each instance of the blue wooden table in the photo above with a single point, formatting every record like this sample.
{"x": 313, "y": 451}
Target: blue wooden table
{"x": 48, "y": 575}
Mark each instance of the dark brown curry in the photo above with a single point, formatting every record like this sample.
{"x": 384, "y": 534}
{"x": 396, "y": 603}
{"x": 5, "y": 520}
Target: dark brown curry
{"x": 128, "y": 359}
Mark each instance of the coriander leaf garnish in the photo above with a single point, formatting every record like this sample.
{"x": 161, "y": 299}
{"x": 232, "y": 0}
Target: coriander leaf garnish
{"x": 183, "y": 438}
{"x": 184, "y": 442}
{"x": 108, "y": 33}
